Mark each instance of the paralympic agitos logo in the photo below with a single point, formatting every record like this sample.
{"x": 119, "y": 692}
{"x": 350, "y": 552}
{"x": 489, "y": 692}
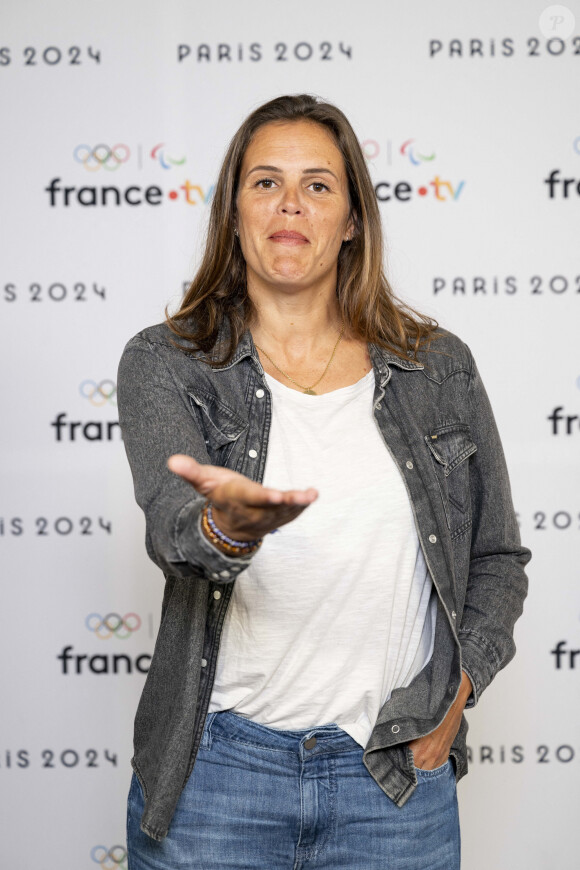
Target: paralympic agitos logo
{"x": 107, "y": 627}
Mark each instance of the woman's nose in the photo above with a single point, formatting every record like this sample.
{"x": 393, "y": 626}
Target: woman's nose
{"x": 290, "y": 202}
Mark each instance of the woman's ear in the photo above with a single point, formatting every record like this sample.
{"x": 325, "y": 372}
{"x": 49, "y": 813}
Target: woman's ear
{"x": 350, "y": 231}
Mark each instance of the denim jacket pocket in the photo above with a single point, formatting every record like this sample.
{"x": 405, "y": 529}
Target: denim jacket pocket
{"x": 451, "y": 445}
{"x": 221, "y": 427}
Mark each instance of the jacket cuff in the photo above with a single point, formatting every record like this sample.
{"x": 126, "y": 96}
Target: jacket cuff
{"x": 479, "y": 661}
{"x": 193, "y": 546}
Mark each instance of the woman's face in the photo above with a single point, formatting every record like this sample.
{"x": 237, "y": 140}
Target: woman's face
{"x": 293, "y": 210}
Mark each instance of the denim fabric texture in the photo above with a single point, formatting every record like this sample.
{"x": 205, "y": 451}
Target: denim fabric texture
{"x": 436, "y": 421}
{"x": 260, "y": 799}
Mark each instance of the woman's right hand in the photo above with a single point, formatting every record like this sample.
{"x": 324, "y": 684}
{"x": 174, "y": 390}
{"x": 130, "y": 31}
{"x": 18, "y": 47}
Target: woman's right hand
{"x": 241, "y": 508}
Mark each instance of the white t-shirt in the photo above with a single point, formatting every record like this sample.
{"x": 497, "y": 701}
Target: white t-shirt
{"x": 336, "y": 609}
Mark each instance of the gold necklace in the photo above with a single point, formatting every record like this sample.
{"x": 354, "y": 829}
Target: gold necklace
{"x": 309, "y": 391}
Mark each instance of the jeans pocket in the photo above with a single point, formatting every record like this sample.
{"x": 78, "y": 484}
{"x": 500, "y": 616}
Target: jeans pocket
{"x": 436, "y": 772}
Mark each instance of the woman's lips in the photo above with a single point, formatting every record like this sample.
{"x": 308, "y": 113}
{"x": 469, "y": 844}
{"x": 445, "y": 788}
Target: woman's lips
{"x": 289, "y": 237}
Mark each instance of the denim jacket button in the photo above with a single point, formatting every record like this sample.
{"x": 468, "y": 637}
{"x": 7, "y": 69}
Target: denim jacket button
{"x": 453, "y": 615}
{"x": 253, "y": 453}
{"x": 395, "y": 729}
{"x": 260, "y": 394}
{"x": 204, "y": 663}
{"x": 432, "y": 539}
{"x": 409, "y": 464}
{"x": 217, "y": 595}
{"x": 224, "y": 573}
{"x": 215, "y": 575}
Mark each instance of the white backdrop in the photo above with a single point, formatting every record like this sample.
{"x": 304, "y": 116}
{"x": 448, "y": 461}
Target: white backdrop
{"x": 468, "y": 116}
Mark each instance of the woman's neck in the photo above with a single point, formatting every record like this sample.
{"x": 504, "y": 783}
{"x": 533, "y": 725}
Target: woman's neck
{"x": 295, "y": 326}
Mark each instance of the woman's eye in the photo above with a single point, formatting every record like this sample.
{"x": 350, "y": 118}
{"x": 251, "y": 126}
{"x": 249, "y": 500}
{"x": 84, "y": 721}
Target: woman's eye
{"x": 318, "y": 186}
{"x": 265, "y": 183}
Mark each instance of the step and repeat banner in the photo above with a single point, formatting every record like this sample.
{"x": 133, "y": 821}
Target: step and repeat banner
{"x": 115, "y": 118}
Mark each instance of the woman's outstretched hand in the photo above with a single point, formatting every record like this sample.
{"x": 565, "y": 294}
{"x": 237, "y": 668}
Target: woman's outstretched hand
{"x": 242, "y": 509}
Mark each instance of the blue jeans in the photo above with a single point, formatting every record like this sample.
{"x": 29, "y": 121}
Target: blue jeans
{"x": 261, "y": 799}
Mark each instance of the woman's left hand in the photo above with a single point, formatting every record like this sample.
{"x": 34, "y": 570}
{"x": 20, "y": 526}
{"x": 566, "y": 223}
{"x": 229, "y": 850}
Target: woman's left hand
{"x": 433, "y": 749}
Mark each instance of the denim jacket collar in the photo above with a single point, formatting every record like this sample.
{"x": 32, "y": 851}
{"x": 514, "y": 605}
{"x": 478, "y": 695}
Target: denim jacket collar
{"x": 380, "y": 357}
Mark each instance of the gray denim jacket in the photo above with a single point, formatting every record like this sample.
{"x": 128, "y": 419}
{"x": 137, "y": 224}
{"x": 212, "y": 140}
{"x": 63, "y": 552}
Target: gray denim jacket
{"x": 436, "y": 422}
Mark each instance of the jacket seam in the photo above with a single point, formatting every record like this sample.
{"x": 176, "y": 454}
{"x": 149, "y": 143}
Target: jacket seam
{"x": 481, "y": 641}
{"x": 464, "y": 527}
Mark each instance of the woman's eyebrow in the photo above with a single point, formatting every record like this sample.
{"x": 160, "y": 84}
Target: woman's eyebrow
{"x": 318, "y": 170}
{"x": 314, "y": 171}
{"x": 264, "y": 169}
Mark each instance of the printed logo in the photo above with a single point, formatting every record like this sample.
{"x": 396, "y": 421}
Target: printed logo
{"x": 165, "y": 161}
{"x": 492, "y": 47}
{"x": 113, "y": 625}
{"x": 101, "y": 156}
{"x": 561, "y": 188}
{"x": 62, "y": 526}
{"x": 114, "y": 858}
{"x": 49, "y": 759}
{"x": 550, "y": 520}
{"x": 99, "y": 394}
{"x": 415, "y": 156}
{"x": 437, "y": 187}
{"x": 518, "y": 754}
{"x": 283, "y": 52}
{"x": 132, "y": 195}
{"x": 55, "y": 291}
{"x": 52, "y": 55}
{"x": 111, "y": 158}
{"x": 562, "y": 423}
{"x": 502, "y": 285}
{"x": 564, "y": 656}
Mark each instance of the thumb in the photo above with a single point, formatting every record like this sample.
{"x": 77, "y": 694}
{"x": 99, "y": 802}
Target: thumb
{"x": 184, "y": 466}
{"x": 204, "y": 478}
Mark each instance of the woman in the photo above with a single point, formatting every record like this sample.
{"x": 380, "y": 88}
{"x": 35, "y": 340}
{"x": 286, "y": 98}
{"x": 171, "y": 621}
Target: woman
{"x": 292, "y": 393}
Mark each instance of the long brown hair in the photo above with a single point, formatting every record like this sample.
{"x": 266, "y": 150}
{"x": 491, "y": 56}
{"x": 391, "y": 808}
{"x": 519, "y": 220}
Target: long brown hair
{"x": 218, "y": 297}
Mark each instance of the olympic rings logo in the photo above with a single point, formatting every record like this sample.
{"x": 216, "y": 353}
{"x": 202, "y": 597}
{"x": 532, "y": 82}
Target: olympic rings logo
{"x": 105, "y": 627}
{"x": 101, "y": 156}
{"x": 99, "y": 394}
{"x": 111, "y": 858}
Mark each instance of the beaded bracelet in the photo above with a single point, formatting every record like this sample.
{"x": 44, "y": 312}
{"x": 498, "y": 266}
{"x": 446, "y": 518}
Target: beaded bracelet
{"x": 228, "y": 545}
